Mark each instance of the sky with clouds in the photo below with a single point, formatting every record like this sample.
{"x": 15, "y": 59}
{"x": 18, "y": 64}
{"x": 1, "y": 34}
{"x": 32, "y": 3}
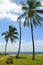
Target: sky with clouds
{"x": 9, "y": 12}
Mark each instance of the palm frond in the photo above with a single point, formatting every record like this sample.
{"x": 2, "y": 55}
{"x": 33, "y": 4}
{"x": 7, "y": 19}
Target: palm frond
{"x": 4, "y": 33}
{"x": 12, "y": 29}
{"x": 25, "y": 22}
{"x": 24, "y": 8}
{"x": 38, "y": 21}
{"x": 38, "y": 4}
{"x": 31, "y": 3}
{"x": 6, "y": 38}
{"x": 15, "y": 37}
{"x": 39, "y": 11}
{"x": 28, "y": 22}
{"x": 34, "y": 22}
{"x": 22, "y": 4}
{"x": 39, "y": 17}
{"x": 15, "y": 33}
{"x": 11, "y": 38}
{"x": 24, "y": 14}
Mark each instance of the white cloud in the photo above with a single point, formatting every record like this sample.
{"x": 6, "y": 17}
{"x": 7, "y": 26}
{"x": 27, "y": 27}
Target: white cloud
{"x": 42, "y": 3}
{"x": 25, "y": 46}
{"x": 6, "y": 7}
{"x": 10, "y": 16}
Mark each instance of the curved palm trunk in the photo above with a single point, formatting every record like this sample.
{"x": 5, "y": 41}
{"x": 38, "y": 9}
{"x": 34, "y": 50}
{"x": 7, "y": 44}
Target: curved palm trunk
{"x": 19, "y": 40}
{"x": 5, "y": 48}
{"x": 32, "y": 42}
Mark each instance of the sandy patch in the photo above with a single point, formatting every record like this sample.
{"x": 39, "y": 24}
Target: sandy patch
{"x": 4, "y": 57}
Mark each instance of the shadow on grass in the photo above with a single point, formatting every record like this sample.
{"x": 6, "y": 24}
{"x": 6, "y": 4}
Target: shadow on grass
{"x": 20, "y": 57}
{"x": 37, "y": 60}
{"x": 40, "y": 63}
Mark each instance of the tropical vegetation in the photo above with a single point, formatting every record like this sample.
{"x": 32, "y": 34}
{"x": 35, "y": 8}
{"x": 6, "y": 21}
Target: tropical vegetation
{"x": 11, "y": 35}
{"x": 31, "y": 15}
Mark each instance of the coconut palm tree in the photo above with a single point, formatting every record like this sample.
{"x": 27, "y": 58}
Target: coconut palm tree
{"x": 19, "y": 39}
{"x": 11, "y": 34}
{"x": 31, "y": 16}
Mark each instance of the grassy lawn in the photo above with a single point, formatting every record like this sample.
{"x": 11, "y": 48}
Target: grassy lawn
{"x": 24, "y": 59}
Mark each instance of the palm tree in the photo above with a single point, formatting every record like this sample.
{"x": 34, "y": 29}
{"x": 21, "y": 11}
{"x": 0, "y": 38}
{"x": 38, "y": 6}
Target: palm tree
{"x": 32, "y": 17}
{"x": 19, "y": 38}
{"x": 10, "y": 34}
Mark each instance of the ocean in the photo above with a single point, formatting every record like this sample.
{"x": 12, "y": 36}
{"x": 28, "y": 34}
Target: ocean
{"x": 21, "y": 52}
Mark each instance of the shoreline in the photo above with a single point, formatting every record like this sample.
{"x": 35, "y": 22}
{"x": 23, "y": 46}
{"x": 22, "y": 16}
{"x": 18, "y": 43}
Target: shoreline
{"x": 13, "y": 53}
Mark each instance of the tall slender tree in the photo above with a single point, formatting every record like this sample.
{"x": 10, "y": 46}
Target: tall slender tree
{"x": 19, "y": 38}
{"x": 32, "y": 17}
{"x": 11, "y": 34}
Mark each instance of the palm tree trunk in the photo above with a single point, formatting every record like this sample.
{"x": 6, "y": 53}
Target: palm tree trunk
{"x": 32, "y": 42}
{"x": 19, "y": 40}
{"x": 5, "y": 48}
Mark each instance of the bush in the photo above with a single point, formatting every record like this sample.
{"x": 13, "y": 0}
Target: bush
{"x": 9, "y": 60}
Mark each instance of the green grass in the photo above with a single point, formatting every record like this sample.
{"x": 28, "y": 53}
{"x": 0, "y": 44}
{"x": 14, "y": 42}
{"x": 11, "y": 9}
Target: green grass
{"x": 24, "y": 59}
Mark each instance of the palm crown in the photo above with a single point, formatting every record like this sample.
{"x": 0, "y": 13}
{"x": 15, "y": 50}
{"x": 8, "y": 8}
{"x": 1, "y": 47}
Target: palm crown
{"x": 10, "y": 34}
{"x": 31, "y": 12}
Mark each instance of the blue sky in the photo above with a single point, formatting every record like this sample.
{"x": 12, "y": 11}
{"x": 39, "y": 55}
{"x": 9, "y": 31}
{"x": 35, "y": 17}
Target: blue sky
{"x": 9, "y": 11}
